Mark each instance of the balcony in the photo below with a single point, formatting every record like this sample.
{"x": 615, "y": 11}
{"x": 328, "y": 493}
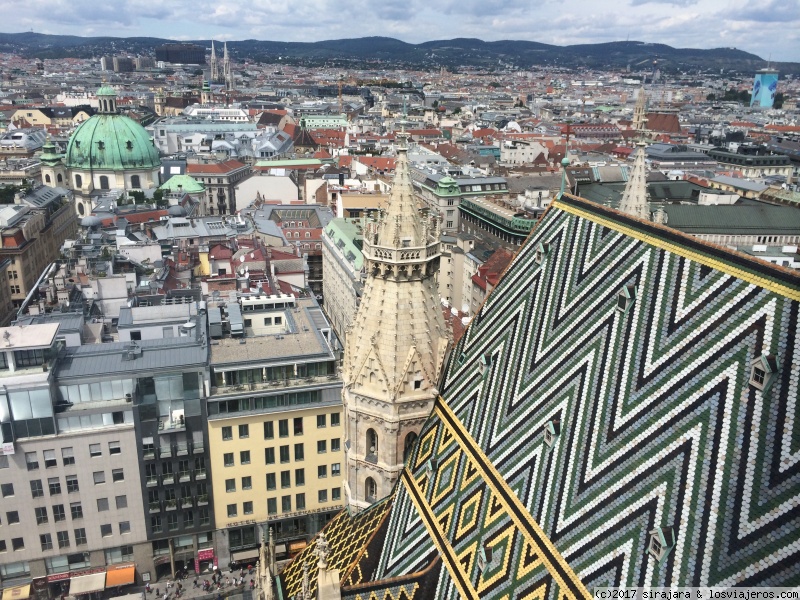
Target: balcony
{"x": 171, "y": 504}
{"x": 165, "y": 452}
{"x": 199, "y": 474}
{"x": 273, "y": 385}
{"x": 184, "y": 476}
{"x": 154, "y": 507}
{"x": 182, "y": 449}
{"x": 185, "y": 502}
{"x": 198, "y": 448}
{"x": 152, "y": 481}
{"x": 170, "y": 425}
{"x": 168, "y": 479}
{"x": 150, "y": 454}
{"x": 202, "y": 500}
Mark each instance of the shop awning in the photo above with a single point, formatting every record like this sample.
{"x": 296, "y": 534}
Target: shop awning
{"x": 120, "y": 575}
{"x": 21, "y": 592}
{"x": 245, "y": 555}
{"x": 86, "y": 584}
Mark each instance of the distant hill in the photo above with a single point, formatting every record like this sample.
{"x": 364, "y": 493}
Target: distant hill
{"x": 460, "y": 52}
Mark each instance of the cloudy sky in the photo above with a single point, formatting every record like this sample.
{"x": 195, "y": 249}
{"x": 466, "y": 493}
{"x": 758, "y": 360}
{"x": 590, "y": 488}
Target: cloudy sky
{"x": 763, "y": 27}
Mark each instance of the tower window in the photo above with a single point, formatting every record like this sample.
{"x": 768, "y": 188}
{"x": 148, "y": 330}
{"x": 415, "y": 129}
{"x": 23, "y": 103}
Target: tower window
{"x": 78, "y": 181}
{"x": 129, "y": 145}
{"x": 101, "y": 145}
{"x": 372, "y": 445}
{"x": 542, "y": 250}
{"x": 552, "y": 431}
{"x": 370, "y": 490}
{"x": 103, "y": 182}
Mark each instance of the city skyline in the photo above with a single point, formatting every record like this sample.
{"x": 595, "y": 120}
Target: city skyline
{"x": 769, "y": 29}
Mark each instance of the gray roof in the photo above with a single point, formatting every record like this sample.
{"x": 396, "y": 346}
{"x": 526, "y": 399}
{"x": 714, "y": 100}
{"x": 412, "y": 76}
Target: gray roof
{"x": 109, "y": 359}
{"x": 744, "y": 184}
{"x": 734, "y": 219}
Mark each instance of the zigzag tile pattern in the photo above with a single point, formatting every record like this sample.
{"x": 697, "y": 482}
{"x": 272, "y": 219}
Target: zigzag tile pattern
{"x": 657, "y": 423}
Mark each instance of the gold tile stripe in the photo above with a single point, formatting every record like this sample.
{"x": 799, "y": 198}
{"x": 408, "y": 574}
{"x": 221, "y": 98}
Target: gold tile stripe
{"x": 720, "y": 265}
{"x": 483, "y": 464}
{"x": 446, "y": 551}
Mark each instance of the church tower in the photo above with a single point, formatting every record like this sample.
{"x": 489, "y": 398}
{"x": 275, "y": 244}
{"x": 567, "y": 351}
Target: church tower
{"x": 396, "y": 347}
{"x": 635, "y": 199}
{"x": 214, "y": 75}
{"x": 226, "y": 67}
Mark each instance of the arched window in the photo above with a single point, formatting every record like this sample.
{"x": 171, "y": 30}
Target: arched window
{"x": 78, "y": 181}
{"x": 409, "y": 444}
{"x": 103, "y": 182}
{"x": 47, "y": 178}
{"x": 59, "y": 178}
{"x": 135, "y": 182}
{"x": 370, "y": 490}
{"x": 372, "y": 443}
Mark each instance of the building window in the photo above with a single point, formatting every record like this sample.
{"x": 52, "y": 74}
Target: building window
{"x": 72, "y": 484}
{"x": 155, "y": 524}
{"x": 247, "y": 483}
{"x": 105, "y": 530}
{"x": 336, "y": 469}
{"x": 283, "y": 428}
{"x": 232, "y": 510}
{"x": 228, "y": 459}
{"x": 227, "y": 433}
{"x": 269, "y": 456}
{"x": 99, "y": 477}
{"x": 230, "y": 485}
{"x": 322, "y": 496}
{"x": 762, "y": 371}
{"x": 117, "y": 475}
{"x": 54, "y": 486}
{"x": 322, "y": 471}
{"x": 286, "y": 479}
{"x": 300, "y": 501}
{"x": 121, "y": 501}
{"x": 80, "y": 536}
{"x": 103, "y": 182}
{"x": 63, "y": 539}
{"x": 32, "y": 461}
{"x": 299, "y": 476}
{"x": 299, "y": 453}
{"x": 247, "y": 508}
{"x": 336, "y": 494}
{"x": 36, "y": 488}
{"x": 12, "y": 517}
{"x": 50, "y": 459}
{"x": 269, "y": 430}
{"x": 67, "y": 457}
{"x": 298, "y": 426}
{"x": 321, "y": 421}
{"x": 46, "y": 540}
{"x": 58, "y": 513}
{"x": 7, "y": 489}
{"x": 114, "y": 448}
{"x": 322, "y": 446}
{"x": 76, "y": 509}
{"x": 272, "y": 506}
{"x": 335, "y": 445}
{"x": 271, "y": 485}
{"x": 284, "y": 454}
{"x": 41, "y": 514}
{"x": 244, "y": 457}
{"x": 286, "y": 504}
{"x": 244, "y": 431}
{"x": 125, "y": 527}
{"x": 172, "y": 522}
{"x": 102, "y": 504}
{"x": 95, "y": 450}
{"x": 78, "y": 181}
{"x": 135, "y": 182}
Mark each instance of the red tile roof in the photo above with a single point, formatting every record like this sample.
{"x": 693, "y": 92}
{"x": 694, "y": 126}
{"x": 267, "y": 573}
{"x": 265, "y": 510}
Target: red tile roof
{"x": 227, "y": 166}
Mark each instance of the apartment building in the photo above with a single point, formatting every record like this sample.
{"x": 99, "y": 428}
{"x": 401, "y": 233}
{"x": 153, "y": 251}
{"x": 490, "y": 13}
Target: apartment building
{"x": 274, "y": 423}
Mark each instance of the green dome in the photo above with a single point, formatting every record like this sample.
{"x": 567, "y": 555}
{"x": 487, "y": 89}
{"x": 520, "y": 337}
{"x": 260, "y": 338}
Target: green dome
{"x": 186, "y": 183}
{"x": 106, "y": 90}
{"x": 111, "y": 142}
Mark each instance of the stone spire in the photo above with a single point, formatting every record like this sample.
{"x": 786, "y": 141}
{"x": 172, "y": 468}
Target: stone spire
{"x": 226, "y": 67}
{"x": 639, "y": 112}
{"x": 395, "y": 349}
{"x": 634, "y": 198}
{"x": 214, "y": 76}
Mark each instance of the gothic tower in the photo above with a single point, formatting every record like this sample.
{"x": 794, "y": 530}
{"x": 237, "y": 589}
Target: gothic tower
{"x": 634, "y": 199}
{"x": 214, "y": 76}
{"x": 396, "y": 347}
{"x": 226, "y": 67}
